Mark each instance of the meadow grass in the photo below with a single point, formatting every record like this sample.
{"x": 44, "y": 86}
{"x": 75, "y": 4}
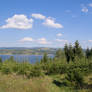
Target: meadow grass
{"x": 17, "y": 83}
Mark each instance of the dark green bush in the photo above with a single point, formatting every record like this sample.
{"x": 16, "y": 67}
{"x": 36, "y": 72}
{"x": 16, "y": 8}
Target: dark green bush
{"x": 74, "y": 78}
{"x": 23, "y": 67}
{"x": 6, "y": 69}
{"x": 36, "y": 71}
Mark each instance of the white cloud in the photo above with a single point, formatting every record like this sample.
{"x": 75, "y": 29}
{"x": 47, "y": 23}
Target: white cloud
{"x": 43, "y": 41}
{"x": 21, "y": 21}
{"x": 38, "y": 16}
{"x": 27, "y": 39}
{"x": 39, "y": 41}
{"x": 18, "y": 22}
{"x": 84, "y": 9}
{"x": 59, "y": 34}
{"x": 90, "y": 5}
{"x": 89, "y": 40}
{"x": 62, "y": 40}
{"x": 51, "y": 23}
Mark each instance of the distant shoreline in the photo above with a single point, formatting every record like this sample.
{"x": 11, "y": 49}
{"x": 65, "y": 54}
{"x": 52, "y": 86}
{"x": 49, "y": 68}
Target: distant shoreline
{"x": 32, "y": 51}
{"x": 26, "y": 54}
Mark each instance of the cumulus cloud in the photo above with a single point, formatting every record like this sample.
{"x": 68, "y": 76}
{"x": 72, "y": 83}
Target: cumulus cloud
{"x": 51, "y": 23}
{"x": 59, "y": 34}
{"x": 39, "y": 41}
{"x": 84, "y": 9}
{"x": 18, "y": 22}
{"x": 48, "y": 21}
{"x": 21, "y": 21}
{"x": 27, "y": 39}
{"x": 43, "y": 41}
{"x": 38, "y": 16}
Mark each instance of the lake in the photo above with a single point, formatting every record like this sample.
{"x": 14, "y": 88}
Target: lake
{"x": 20, "y": 58}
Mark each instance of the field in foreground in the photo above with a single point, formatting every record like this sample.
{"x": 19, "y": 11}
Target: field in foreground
{"x": 16, "y": 83}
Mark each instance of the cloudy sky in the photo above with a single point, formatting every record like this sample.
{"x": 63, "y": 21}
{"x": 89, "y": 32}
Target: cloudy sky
{"x": 45, "y": 23}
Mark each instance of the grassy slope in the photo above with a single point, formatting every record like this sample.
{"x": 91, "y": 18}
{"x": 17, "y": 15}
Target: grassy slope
{"x": 14, "y": 83}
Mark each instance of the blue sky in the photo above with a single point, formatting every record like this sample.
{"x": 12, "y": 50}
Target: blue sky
{"x": 45, "y": 23}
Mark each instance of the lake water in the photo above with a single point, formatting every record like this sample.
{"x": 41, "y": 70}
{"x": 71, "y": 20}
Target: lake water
{"x": 20, "y": 58}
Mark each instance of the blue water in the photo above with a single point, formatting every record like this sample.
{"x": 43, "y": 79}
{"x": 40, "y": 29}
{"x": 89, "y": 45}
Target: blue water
{"x": 29, "y": 58}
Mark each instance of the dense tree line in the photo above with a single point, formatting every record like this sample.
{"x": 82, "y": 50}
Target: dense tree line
{"x": 73, "y": 52}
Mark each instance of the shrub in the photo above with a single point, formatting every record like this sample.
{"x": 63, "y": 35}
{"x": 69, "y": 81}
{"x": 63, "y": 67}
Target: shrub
{"x": 74, "y": 78}
{"x": 36, "y": 71}
{"x": 6, "y": 69}
{"x": 23, "y": 67}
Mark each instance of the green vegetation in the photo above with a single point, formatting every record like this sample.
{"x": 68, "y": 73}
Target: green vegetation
{"x": 69, "y": 71}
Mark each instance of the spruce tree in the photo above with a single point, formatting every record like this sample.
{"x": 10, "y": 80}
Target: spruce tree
{"x": 71, "y": 53}
{"x": 66, "y": 50}
{"x": 0, "y": 60}
{"x": 78, "y": 52}
{"x": 59, "y": 54}
{"x": 87, "y": 53}
{"x": 45, "y": 58}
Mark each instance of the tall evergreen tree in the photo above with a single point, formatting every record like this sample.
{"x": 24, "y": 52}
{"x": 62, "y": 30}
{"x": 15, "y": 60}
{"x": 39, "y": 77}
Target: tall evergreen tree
{"x": 78, "y": 50}
{"x": 45, "y": 58}
{"x": 66, "y": 50}
{"x": 71, "y": 53}
{"x": 59, "y": 54}
{"x": 0, "y": 60}
{"x": 87, "y": 53}
{"x": 91, "y": 52}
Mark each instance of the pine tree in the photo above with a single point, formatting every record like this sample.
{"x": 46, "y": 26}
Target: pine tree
{"x": 66, "y": 50}
{"x": 11, "y": 59}
{"x": 91, "y": 52}
{"x": 78, "y": 52}
{"x": 71, "y": 53}
{"x": 87, "y": 53}
{"x": 59, "y": 54}
{"x": 45, "y": 58}
{"x": 0, "y": 60}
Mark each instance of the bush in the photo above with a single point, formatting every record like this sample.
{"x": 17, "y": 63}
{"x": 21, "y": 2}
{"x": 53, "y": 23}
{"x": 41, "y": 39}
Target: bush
{"x": 36, "y": 71}
{"x": 23, "y": 67}
{"x": 6, "y": 69}
{"x": 74, "y": 78}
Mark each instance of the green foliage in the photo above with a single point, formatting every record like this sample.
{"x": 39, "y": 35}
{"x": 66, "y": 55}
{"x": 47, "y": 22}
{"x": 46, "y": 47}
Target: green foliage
{"x": 23, "y": 67}
{"x": 36, "y": 71}
{"x": 78, "y": 50}
{"x": 9, "y": 67}
{"x": 1, "y": 63}
{"x": 55, "y": 68}
{"x": 73, "y": 53}
{"x": 6, "y": 69}
{"x": 66, "y": 50}
{"x": 88, "y": 53}
{"x": 59, "y": 54}
{"x": 11, "y": 59}
{"x": 74, "y": 78}
{"x": 1, "y": 60}
{"x": 45, "y": 58}
{"x": 71, "y": 62}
